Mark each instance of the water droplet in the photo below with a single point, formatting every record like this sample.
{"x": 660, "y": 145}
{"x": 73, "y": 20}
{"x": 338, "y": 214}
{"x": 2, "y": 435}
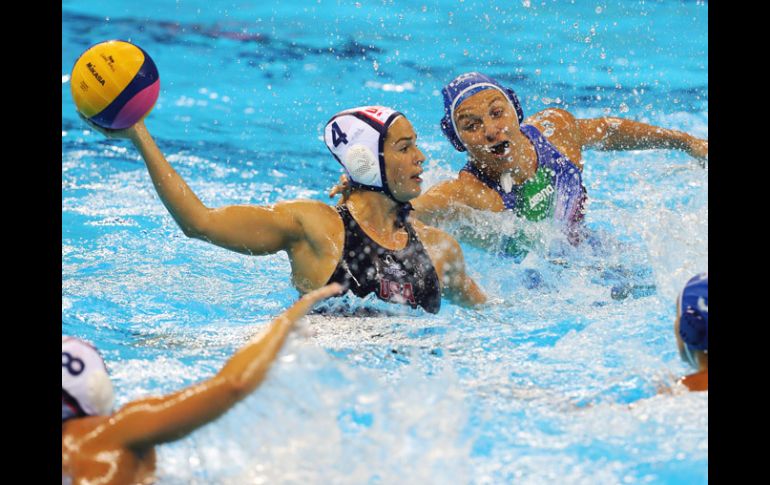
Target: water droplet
{"x": 598, "y": 10}
{"x": 623, "y": 108}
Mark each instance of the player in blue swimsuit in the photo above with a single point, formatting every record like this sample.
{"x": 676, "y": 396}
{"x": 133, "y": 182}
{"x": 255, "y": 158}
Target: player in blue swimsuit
{"x": 531, "y": 166}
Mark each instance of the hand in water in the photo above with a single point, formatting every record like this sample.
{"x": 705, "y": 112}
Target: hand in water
{"x": 698, "y": 149}
{"x": 324, "y": 292}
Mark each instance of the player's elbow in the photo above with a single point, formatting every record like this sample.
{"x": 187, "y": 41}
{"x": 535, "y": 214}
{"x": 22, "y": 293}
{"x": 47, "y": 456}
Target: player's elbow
{"x": 197, "y": 227}
{"x": 235, "y": 389}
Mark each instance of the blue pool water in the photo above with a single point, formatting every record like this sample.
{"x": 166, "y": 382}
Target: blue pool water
{"x": 555, "y": 381}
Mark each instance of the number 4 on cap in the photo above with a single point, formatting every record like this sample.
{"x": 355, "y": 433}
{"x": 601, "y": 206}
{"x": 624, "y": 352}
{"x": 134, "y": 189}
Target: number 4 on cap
{"x": 338, "y": 136}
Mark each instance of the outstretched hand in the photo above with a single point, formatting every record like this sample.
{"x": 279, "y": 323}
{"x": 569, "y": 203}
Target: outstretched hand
{"x": 323, "y": 292}
{"x": 306, "y": 302}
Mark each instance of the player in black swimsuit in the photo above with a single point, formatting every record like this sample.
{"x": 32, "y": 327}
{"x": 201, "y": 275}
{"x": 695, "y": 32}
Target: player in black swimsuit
{"x": 408, "y": 262}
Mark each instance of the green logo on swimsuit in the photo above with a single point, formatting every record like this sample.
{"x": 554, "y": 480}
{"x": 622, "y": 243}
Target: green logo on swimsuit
{"x": 535, "y": 197}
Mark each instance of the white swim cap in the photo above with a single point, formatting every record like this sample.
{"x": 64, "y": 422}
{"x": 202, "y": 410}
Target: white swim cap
{"x": 356, "y": 138}
{"x": 86, "y": 389}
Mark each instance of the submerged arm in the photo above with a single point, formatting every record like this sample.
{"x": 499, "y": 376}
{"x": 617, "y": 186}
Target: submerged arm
{"x": 457, "y": 285}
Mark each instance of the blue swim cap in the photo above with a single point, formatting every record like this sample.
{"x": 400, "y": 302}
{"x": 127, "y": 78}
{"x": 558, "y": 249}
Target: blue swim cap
{"x": 694, "y": 313}
{"x": 462, "y": 87}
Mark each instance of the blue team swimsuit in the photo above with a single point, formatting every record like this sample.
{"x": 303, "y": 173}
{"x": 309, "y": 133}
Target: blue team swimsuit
{"x": 562, "y": 196}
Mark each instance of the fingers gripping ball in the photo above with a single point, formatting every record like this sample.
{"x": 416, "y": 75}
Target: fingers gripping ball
{"x": 115, "y": 84}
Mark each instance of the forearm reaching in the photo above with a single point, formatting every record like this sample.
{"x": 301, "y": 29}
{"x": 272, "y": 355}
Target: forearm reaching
{"x": 247, "y": 367}
{"x": 182, "y": 203}
{"x": 623, "y": 134}
{"x": 153, "y": 421}
{"x": 246, "y": 229}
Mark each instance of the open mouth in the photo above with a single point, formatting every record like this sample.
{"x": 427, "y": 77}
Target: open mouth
{"x": 501, "y": 148}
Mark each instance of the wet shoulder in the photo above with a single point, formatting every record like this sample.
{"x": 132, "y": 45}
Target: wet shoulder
{"x": 561, "y": 129}
{"x": 84, "y": 447}
{"x": 551, "y": 118}
{"x": 314, "y": 216}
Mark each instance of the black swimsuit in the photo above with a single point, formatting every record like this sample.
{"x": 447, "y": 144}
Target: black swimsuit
{"x": 404, "y": 276}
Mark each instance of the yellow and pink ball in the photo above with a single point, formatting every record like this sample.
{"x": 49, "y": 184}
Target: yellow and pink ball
{"x": 115, "y": 84}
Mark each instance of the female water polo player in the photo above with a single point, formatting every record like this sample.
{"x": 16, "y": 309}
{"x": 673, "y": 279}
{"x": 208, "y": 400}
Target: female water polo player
{"x": 530, "y": 167}
{"x": 369, "y": 244}
{"x": 692, "y": 331}
{"x": 99, "y": 446}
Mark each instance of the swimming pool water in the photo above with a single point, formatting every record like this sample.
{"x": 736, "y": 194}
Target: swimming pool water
{"x": 556, "y": 380}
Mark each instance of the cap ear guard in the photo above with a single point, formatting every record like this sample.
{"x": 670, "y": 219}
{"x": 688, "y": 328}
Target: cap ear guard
{"x": 693, "y": 313}
{"x": 361, "y": 164}
{"x": 451, "y": 134}
{"x": 694, "y": 330}
{"x": 516, "y": 104}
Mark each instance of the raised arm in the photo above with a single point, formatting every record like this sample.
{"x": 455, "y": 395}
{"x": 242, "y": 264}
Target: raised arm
{"x": 572, "y": 135}
{"x": 622, "y": 134}
{"x": 152, "y": 421}
{"x": 246, "y": 229}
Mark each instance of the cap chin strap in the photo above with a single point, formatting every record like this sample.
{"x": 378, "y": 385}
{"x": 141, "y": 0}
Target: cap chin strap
{"x": 403, "y": 213}
{"x": 690, "y": 357}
